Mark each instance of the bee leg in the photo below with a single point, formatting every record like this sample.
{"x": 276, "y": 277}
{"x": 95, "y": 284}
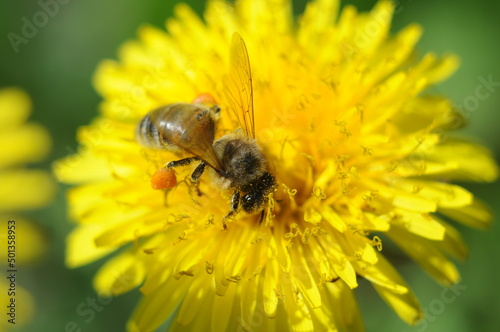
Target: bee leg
{"x": 198, "y": 171}
{"x": 195, "y": 176}
{"x": 235, "y": 203}
{"x": 181, "y": 162}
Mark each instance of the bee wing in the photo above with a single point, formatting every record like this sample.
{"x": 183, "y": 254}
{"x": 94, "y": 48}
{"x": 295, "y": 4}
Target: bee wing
{"x": 205, "y": 151}
{"x": 201, "y": 145}
{"x": 198, "y": 142}
{"x": 238, "y": 85}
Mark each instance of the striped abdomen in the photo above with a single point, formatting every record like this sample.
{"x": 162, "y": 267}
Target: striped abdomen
{"x": 181, "y": 127}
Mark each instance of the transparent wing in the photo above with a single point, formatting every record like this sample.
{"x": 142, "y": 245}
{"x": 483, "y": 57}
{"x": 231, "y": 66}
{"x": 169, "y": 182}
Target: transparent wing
{"x": 238, "y": 85}
{"x": 177, "y": 131}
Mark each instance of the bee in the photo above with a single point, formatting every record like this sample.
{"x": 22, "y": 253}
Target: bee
{"x": 237, "y": 159}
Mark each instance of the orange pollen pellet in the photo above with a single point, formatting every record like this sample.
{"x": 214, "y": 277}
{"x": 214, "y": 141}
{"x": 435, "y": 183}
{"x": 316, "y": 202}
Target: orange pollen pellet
{"x": 205, "y": 98}
{"x": 164, "y": 178}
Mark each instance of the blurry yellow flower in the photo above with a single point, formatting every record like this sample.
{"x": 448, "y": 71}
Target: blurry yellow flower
{"x": 24, "y": 306}
{"x": 21, "y": 188}
{"x": 360, "y": 151}
{"x": 21, "y": 143}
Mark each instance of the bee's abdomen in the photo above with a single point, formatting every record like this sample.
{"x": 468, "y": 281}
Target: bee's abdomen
{"x": 148, "y": 135}
{"x": 180, "y": 127}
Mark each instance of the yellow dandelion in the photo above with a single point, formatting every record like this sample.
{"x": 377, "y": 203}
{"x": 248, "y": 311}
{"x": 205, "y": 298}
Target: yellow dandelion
{"x": 360, "y": 152}
{"x": 21, "y": 188}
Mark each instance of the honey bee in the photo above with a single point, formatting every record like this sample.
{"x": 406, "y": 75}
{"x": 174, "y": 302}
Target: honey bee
{"x": 236, "y": 158}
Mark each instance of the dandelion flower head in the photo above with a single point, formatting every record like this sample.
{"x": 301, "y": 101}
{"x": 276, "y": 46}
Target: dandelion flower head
{"x": 361, "y": 154}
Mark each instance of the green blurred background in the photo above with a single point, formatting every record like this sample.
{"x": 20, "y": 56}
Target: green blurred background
{"x": 55, "y": 68}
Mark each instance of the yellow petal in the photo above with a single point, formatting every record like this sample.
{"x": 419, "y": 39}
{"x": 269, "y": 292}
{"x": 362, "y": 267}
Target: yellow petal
{"x": 235, "y": 263}
{"x": 323, "y": 262}
{"x": 422, "y": 224}
{"x": 15, "y": 108}
{"x": 220, "y": 276}
{"x": 270, "y": 287}
{"x": 382, "y": 276}
{"x": 476, "y": 214}
{"x": 443, "y": 68}
{"x": 443, "y": 194}
{"x": 223, "y": 304}
{"x": 302, "y": 277}
{"x": 249, "y": 295}
{"x": 119, "y": 275}
{"x": 202, "y": 308}
{"x": 452, "y": 243}
{"x": 129, "y": 229}
{"x": 160, "y": 273}
{"x": 413, "y": 203}
{"x": 25, "y": 189}
{"x": 192, "y": 303}
{"x": 82, "y": 167}
{"x": 470, "y": 162}
{"x": 317, "y": 18}
{"x": 278, "y": 249}
{"x": 421, "y": 112}
{"x": 346, "y": 272}
{"x": 155, "y": 308}
{"x": 347, "y": 317}
{"x": 427, "y": 255}
{"x": 299, "y": 316}
{"x": 333, "y": 218}
{"x": 81, "y": 248}
{"x": 376, "y": 223}
{"x": 265, "y": 15}
{"x": 394, "y": 290}
{"x": 29, "y": 143}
